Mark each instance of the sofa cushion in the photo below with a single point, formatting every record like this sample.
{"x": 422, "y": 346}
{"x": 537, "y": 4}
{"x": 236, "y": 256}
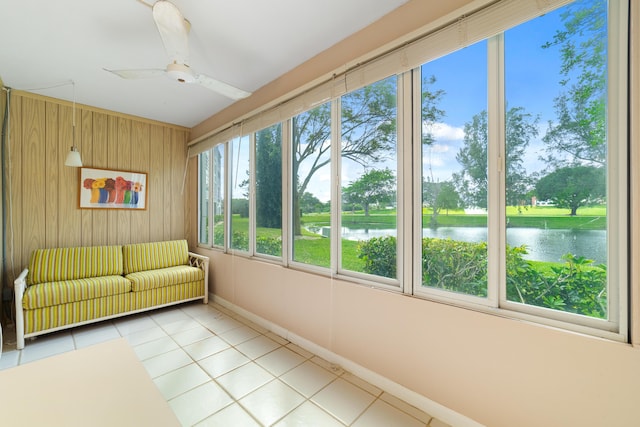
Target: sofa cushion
{"x": 56, "y": 264}
{"x": 66, "y": 291}
{"x": 159, "y": 278}
{"x": 151, "y": 256}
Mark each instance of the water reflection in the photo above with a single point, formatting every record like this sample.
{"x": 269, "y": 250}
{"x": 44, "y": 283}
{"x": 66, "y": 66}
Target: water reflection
{"x": 542, "y": 244}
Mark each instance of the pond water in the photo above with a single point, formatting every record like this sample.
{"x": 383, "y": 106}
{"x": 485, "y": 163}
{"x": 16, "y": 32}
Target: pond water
{"x": 542, "y": 244}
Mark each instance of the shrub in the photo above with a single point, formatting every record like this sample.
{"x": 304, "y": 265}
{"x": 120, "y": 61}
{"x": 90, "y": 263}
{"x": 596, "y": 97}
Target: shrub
{"x": 575, "y": 286}
{"x": 269, "y": 245}
{"x": 455, "y": 266}
{"x": 379, "y": 255}
{"x": 239, "y": 240}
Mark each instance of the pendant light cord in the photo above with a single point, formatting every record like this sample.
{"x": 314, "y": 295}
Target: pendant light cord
{"x": 73, "y": 120}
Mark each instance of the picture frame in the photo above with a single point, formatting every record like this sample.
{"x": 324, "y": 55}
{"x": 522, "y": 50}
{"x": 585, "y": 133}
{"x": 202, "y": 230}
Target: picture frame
{"x": 112, "y": 189}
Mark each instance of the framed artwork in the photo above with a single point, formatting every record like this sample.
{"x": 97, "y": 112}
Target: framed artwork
{"x": 112, "y": 189}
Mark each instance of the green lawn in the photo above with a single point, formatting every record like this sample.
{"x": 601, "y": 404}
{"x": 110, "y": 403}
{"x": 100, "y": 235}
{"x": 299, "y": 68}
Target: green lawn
{"x": 316, "y": 252}
{"x": 588, "y": 218}
{"x": 314, "y": 249}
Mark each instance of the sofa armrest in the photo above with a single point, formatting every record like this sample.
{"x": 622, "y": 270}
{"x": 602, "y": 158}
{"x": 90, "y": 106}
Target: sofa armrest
{"x": 19, "y": 286}
{"x": 201, "y": 262}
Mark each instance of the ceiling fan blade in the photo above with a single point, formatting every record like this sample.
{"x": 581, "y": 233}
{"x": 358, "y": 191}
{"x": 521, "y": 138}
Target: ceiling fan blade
{"x": 137, "y": 74}
{"x": 221, "y": 87}
{"x": 173, "y": 29}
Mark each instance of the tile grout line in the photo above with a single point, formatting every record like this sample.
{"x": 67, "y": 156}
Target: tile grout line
{"x": 200, "y": 317}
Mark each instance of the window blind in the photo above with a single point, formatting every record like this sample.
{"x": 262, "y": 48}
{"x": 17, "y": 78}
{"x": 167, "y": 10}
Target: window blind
{"x": 466, "y": 30}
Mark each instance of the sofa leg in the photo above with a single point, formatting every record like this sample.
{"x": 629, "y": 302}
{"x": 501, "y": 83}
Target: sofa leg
{"x": 19, "y": 341}
{"x": 19, "y": 334}
{"x": 19, "y": 329}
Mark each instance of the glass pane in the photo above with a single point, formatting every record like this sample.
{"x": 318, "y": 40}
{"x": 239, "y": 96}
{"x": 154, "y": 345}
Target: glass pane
{"x": 556, "y": 172}
{"x": 203, "y": 197}
{"x": 218, "y": 194}
{"x": 369, "y": 187}
{"x": 269, "y": 191}
{"x": 454, "y": 172}
{"x": 311, "y": 198}
{"x": 239, "y": 168}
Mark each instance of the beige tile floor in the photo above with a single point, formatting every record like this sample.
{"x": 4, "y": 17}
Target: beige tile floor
{"x": 215, "y": 368}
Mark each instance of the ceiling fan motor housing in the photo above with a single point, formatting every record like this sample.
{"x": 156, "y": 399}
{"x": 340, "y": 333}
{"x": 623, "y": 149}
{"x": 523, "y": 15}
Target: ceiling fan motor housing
{"x": 181, "y": 73}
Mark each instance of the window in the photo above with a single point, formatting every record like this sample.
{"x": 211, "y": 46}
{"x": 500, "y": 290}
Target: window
{"x": 268, "y": 191}
{"x": 217, "y": 196}
{"x": 369, "y": 170}
{"x": 454, "y": 141}
{"x": 211, "y": 197}
{"x": 311, "y": 189}
{"x": 204, "y": 169}
{"x": 484, "y": 165}
{"x": 557, "y": 147}
{"x": 531, "y": 173}
{"x": 239, "y": 170}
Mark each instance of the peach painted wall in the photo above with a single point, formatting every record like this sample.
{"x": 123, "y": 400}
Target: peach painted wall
{"x": 497, "y": 371}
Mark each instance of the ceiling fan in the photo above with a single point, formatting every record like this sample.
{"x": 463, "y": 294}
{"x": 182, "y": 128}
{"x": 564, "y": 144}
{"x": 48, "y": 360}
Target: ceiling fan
{"x": 174, "y": 31}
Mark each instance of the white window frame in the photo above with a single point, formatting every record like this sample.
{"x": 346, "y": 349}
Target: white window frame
{"x": 336, "y": 211}
{"x": 253, "y": 244}
{"x": 210, "y": 209}
{"x": 616, "y": 326}
{"x": 229, "y": 199}
{"x": 481, "y": 20}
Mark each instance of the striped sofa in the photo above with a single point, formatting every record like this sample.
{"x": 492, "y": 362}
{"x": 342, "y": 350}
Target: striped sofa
{"x": 65, "y": 287}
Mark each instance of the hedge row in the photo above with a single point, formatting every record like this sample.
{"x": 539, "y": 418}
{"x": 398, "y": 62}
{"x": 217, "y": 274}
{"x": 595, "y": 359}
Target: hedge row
{"x": 576, "y": 285}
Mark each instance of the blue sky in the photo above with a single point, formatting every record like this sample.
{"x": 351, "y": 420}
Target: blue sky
{"x": 532, "y": 76}
{"x": 532, "y": 82}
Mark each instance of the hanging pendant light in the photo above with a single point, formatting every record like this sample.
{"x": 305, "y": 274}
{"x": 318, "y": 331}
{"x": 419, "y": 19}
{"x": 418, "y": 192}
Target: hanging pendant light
{"x": 73, "y": 157}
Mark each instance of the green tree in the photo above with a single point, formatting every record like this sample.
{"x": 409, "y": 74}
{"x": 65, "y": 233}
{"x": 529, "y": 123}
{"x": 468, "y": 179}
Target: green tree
{"x": 310, "y": 204}
{"x": 431, "y": 114}
{"x": 269, "y": 177}
{"x": 240, "y": 207}
{"x": 521, "y": 128}
{"x": 579, "y": 135}
{"x": 438, "y": 196}
{"x": 448, "y": 197}
{"x": 471, "y": 182}
{"x": 572, "y": 187}
{"x": 368, "y": 133}
{"x": 374, "y": 186}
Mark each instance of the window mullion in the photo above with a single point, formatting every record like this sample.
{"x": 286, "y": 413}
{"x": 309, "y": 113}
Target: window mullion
{"x": 211, "y": 196}
{"x": 404, "y": 186}
{"x": 496, "y": 113}
{"x": 617, "y": 161}
{"x": 252, "y": 194}
{"x": 227, "y": 196}
{"x": 286, "y": 196}
{"x": 415, "y": 168}
{"x": 336, "y": 182}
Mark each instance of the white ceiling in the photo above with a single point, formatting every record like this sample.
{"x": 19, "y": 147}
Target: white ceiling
{"x": 246, "y": 43}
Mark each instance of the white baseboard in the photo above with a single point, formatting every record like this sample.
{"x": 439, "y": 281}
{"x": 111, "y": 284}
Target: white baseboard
{"x": 421, "y": 402}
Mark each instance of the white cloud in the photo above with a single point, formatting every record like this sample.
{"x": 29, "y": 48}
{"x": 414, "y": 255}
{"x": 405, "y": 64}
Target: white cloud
{"x": 433, "y": 161}
{"x": 444, "y": 131}
{"x": 438, "y": 148}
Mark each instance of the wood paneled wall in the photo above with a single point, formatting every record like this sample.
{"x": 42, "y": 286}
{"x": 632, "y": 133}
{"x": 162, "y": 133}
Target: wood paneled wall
{"x": 41, "y": 193}
{"x": 5, "y": 307}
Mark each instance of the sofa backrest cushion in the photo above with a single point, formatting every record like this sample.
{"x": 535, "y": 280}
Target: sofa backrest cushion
{"x": 151, "y": 256}
{"x": 55, "y": 264}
